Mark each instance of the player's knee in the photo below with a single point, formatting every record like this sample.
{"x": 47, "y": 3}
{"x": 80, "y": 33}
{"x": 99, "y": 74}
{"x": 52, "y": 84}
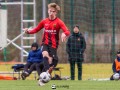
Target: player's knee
{"x": 45, "y": 54}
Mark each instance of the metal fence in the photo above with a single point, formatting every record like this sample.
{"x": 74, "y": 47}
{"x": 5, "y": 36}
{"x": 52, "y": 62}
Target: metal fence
{"x": 99, "y": 23}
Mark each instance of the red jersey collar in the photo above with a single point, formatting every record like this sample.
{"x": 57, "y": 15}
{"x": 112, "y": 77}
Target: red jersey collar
{"x": 53, "y": 19}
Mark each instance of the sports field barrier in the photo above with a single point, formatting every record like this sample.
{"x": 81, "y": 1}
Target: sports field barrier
{"x": 99, "y": 22}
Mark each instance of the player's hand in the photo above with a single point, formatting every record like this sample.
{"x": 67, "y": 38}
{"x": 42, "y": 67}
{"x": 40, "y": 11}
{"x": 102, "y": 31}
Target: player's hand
{"x": 25, "y": 30}
{"x": 63, "y": 37}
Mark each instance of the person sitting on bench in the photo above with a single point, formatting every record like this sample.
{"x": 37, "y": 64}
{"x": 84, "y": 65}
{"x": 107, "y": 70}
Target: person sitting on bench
{"x": 34, "y": 61}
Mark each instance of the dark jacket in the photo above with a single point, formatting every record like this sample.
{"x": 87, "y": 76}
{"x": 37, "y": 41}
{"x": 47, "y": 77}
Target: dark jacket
{"x": 35, "y": 56}
{"x": 76, "y": 46}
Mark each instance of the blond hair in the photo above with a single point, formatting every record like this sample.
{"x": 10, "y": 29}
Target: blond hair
{"x": 54, "y": 5}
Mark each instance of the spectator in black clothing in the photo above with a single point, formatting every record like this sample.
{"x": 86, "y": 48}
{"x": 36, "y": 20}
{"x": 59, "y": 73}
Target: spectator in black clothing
{"x": 75, "y": 48}
{"x": 34, "y": 60}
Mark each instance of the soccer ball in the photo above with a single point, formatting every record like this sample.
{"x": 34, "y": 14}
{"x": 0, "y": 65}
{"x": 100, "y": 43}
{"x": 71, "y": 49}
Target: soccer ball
{"x": 116, "y": 76}
{"x": 45, "y": 77}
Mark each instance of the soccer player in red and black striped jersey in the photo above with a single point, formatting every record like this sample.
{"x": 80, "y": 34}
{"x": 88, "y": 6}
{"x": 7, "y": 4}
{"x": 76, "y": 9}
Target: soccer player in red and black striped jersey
{"x": 50, "y": 41}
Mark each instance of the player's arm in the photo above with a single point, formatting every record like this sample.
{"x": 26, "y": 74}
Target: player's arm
{"x": 66, "y": 32}
{"x": 29, "y": 56}
{"x": 36, "y": 29}
{"x": 64, "y": 28}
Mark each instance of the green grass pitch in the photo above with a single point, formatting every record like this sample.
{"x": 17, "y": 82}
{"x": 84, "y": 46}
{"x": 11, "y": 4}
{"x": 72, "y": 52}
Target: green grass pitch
{"x": 60, "y": 85}
{"x": 89, "y": 71}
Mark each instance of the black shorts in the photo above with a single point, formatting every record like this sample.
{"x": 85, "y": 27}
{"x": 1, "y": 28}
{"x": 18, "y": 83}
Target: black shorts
{"x": 52, "y": 53}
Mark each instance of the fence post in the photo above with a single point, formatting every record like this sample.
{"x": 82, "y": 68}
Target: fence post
{"x": 113, "y": 30}
{"x": 71, "y": 13}
{"x": 4, "y": 7}
{"x": 93, "y": 31}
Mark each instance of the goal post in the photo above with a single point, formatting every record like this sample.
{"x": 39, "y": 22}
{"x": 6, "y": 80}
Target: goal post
{"x": 3, "y": 28}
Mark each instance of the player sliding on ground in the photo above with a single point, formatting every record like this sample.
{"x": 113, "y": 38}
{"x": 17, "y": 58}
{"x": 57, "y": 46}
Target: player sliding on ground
{"x": 50, "y": 41}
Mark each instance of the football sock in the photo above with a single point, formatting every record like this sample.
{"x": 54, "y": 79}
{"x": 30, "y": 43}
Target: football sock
{"x": 46, "y": 64}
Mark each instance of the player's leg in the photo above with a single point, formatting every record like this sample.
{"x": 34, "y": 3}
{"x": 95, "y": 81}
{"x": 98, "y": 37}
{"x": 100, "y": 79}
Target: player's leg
{"x": 46, "y": 57}
{"x": 72, "y": 69}
{"x": 111, "y": 78}
{"x": 25, "y": 72}
{"x": 39, "y": 68}
{"x": 54, "y": 63}
{"x": 79, "y": 65}
{"x": 46, "y": 60}
{"x": 32, "y": 68}
{"x": 53, "y": 54}
{"x": 27, "y": 65}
